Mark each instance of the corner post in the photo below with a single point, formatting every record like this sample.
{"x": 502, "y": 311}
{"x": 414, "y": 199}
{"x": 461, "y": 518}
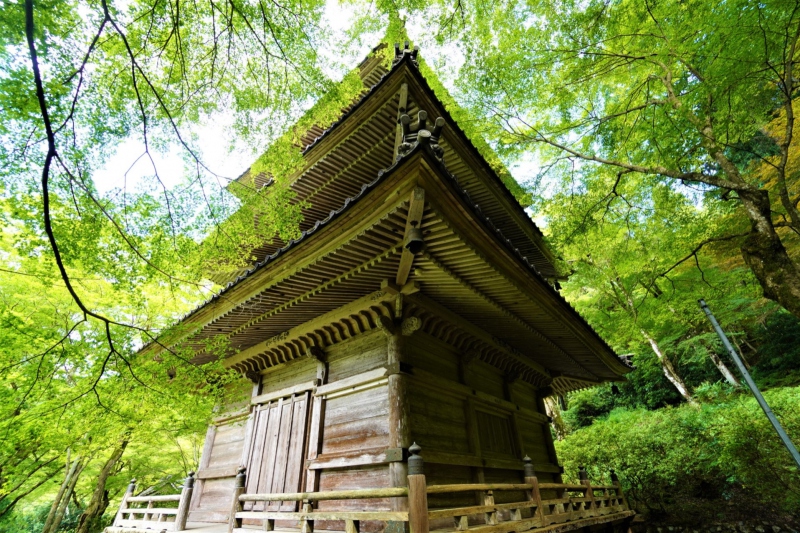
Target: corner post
{"x": 417, "y": 492}
{"x": 584, "y": 476}
{"x": 621, "y": 500}
{"x": 533, "y": 495}
{"x": 183, "y": 506}
{"x": 236, "y": 505}
{"x": 123, "y": 505}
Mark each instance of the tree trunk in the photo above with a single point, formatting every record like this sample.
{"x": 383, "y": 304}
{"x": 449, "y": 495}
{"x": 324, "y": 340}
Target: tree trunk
{"x": 766, "y": 256}
{"x": 91, "y": 516}
{"x": 669, "y": 370}
{"x": 554, "y": 412}
{"x": 723, "y": 369}
{"x": 62, "y": 498}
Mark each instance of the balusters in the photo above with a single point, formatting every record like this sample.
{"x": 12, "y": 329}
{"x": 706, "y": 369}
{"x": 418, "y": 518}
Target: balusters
{"x": 621, "y": 500}
{"x": 352, "y": 526}
{"x": 490, "y": 516}
{"x": 124, "y": 503}
{"x": 306, "y": 525}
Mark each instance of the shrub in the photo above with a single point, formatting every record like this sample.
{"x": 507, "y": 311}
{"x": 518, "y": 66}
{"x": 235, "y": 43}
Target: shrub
{"x": 680, "y": 461}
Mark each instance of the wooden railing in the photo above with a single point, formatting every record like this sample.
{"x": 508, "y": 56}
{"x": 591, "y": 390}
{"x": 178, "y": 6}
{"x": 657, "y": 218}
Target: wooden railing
{"x": 584, "y": 504}
{"x": 141, "y": 512}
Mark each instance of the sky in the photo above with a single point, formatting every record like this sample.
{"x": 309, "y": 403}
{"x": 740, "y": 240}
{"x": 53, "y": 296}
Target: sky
{"x": 127, "y": 168}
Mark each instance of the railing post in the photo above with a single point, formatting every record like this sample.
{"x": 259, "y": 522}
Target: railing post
{"x": 236, "y": 505}
{"x": 417, "y": 492}
{"x": 533, "y": 495}
{"x": 623, "y": 502}
{"x": 306, "y": 525}
{"x": 490, "y": 517}
{"x": 123, "y": 505}
{"x": 584, "y": 477}
{"x": 183, "y": 504}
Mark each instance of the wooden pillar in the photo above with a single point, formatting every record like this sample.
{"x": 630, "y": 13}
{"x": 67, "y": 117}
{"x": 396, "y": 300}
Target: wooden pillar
{"x": 183, "y": 504}
{"x": 123, "y": 505}
{"x": 236, "y": 505}
{"x": 417, "y": 492}
{"x": 548, "y": 435}
{"x": 584, "y": 477}
{"x": 316, "y": 422}
{"x": 399, "y": 431}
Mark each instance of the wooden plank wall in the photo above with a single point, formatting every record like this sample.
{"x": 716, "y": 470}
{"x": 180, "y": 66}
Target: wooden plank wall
{"x": 355, "y": 431}
{"x": 457, "y": 405}
{"x": 222, "y": 455}
{"x": 452, "y": 395}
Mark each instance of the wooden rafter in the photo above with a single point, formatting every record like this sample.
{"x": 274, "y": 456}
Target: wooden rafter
{"x": 517, "y": 320}
{"x": 473, "y": 330}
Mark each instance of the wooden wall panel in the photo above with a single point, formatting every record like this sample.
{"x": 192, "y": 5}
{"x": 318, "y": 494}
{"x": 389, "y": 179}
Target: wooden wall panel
{"x": 524, "y": 394}
{"x": 354, "y": 478}
{"x": 211, "y": 499}
{"x": 235, "y": 397}
{"x": 293, "y": 373}
{"x": 429, "y": 353}
{"x": 356, "y": 355}
{"x": 215, "y": 500}
{"x": 438, "y": 474}
{"x": 533, "y": 440}
{"x": 497, "y": 475}
{"x": 228, "y": 445}
{"x": 485, "y": 378}
{"x": 438, "y": 421}
{"x": 356, "y": 422}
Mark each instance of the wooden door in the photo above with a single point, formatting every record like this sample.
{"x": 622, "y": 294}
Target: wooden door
{"x": 278, "y": 448}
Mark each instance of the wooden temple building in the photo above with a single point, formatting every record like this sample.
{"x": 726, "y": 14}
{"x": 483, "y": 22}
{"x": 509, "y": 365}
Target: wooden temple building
{"x": 414, "y": 320}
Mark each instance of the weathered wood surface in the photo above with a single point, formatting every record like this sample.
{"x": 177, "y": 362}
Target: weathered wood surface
{"x": 534, "y": 513}
{"x": 325, "y": 515}
{"x": 167, "y": 518}
{"x": 357, "y": 494}
{"x": 165, "y": 498}
{"x": 150, "y": 511}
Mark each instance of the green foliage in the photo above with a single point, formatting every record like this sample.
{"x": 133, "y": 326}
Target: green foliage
{"x": 777, "y": 361}
{"x": 683, "y": 461}
{"x": 32, "y": 519}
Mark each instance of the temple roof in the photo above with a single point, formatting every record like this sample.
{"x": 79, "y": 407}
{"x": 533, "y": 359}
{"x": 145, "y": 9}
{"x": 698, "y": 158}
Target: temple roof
{"x": 346, "y": 154}
{"x": 473, "y": 286}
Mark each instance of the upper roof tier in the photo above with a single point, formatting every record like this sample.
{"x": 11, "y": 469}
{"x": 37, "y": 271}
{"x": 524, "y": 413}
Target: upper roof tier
{"x": 370, "y": 179}
{"x": 339, "y": 160}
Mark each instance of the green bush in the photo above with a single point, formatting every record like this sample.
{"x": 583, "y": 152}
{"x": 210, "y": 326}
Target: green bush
{"x": 681, "y": 461}
{"x": 32, "y": 519}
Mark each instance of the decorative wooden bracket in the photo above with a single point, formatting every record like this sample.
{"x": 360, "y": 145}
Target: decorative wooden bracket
{"x": 394, "y": 327}
{"x": 413, "y": 221}
{"x": 315, "y": 352}
{"x": 406, "y": 50}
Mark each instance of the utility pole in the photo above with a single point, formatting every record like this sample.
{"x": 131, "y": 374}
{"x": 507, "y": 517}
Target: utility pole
{"x": 750, "y": 383}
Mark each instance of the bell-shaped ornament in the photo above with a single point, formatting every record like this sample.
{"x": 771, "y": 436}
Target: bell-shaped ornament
{"x": 414, "y": 242}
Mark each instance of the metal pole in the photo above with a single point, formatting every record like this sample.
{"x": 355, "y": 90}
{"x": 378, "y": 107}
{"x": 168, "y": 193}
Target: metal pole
{"x": 750, "y": 383}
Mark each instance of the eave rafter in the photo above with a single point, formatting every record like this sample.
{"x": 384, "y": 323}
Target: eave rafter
{"x": 357, "y": 318}
{"x": 502, "y": 310}
{"x": 373, "y": 312}
{"x": 319, "y": 289}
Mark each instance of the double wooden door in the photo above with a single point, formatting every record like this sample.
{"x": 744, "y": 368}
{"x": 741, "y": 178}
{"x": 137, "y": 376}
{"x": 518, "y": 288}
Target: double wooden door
{"x": 277, "y": 449}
